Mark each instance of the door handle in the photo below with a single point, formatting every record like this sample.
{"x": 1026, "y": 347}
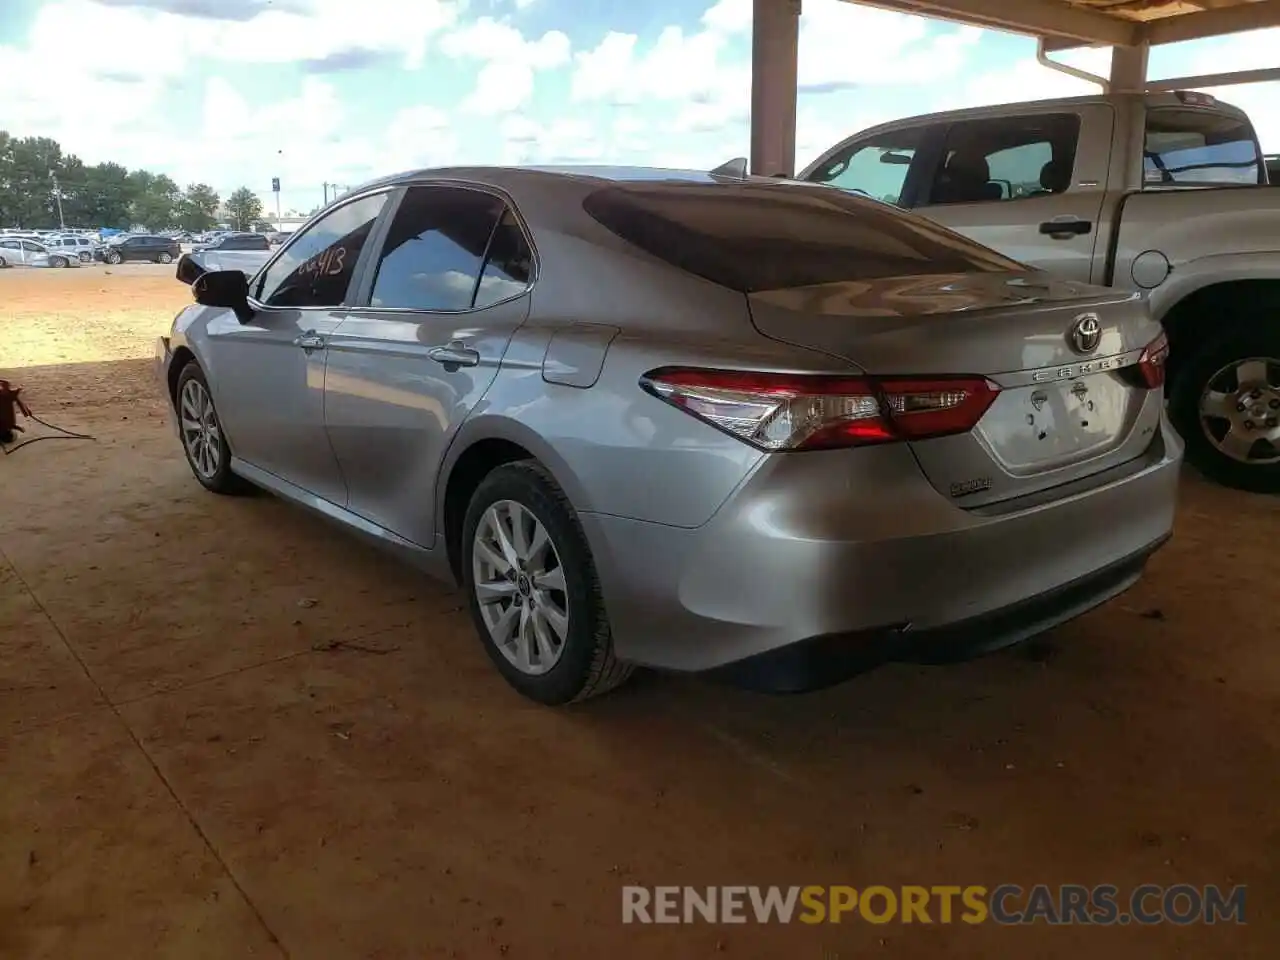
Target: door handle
{"x": 309, "y": 341}
{"x": 1066, "y": 228}
{"x": 455, "y": 355}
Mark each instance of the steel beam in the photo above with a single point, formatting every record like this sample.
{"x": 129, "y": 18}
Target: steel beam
{"x": 1073, "y": 26}
{"x": 775, "y": 48}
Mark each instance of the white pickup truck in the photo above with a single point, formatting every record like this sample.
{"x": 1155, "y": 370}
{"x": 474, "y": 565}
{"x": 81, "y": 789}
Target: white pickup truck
{"x": 1155, "y": 192}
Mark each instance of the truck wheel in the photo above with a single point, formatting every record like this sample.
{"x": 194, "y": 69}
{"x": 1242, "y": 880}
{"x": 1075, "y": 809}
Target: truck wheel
{"x": 1225, "y": 401}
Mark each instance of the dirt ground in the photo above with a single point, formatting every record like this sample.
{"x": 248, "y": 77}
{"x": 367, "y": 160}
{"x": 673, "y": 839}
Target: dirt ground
{"x": 228, "y": 730}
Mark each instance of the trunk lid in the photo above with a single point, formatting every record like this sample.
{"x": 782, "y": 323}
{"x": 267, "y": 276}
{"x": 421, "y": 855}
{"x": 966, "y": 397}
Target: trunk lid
{"x": 1063, "y": 413}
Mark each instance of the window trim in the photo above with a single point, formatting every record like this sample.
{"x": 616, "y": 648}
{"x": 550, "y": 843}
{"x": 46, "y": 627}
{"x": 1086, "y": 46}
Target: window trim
{"x": 363, "y": 299}
{"x": 357, "y": 277}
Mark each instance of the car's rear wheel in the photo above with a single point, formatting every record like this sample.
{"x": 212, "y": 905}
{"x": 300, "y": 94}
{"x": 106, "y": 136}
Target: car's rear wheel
{"x": 165, "y": 257}
{"x": 203, "y": 441}
{"x": 113, "y": 257}
{"x": 533, "y": 591}
{"x": 3, "y": 263}
{"x": 85, "y": 256}
{"x": 1225, "y": 401}
{"x": 58, "y": 262}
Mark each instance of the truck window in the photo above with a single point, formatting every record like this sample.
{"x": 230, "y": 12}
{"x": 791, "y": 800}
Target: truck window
{"x": 1200, "y": 147}
{"x": 876, "y": 168}
{"x": 1007, "y": 158}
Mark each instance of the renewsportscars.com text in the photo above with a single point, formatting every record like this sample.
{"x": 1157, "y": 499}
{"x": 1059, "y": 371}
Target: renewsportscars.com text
{"x": 1008, "y": 904}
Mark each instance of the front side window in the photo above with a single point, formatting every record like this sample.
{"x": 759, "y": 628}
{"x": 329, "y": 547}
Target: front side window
{"x": 435, "y": 249}
{"x": 1200, "y": 147}
{"x": 1007, "y": 158}
{"x": 876, "y": 168}
{"x": 316, "y": 270}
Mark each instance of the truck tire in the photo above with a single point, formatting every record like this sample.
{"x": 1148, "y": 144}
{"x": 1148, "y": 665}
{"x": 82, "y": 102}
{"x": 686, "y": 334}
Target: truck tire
{"x": 1225, "y": 401}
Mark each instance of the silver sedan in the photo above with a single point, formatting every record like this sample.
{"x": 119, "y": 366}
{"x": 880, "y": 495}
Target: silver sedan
{"x": 695, "y": 422}
{"x": 20, "y": 252}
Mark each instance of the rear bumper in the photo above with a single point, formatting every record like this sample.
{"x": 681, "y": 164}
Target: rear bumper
{"x": 855, "y": 553}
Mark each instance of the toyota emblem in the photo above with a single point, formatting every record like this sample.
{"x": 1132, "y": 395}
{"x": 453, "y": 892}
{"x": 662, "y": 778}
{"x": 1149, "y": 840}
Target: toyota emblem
{"x": 1086, "y": 333}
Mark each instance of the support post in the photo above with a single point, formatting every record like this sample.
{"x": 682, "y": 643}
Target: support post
{"x": 1129, "y": 69}
{"x": 775, "y": 51}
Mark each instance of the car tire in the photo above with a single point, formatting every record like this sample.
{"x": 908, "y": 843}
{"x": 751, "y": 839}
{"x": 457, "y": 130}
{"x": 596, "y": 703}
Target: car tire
{"x": 113, "y": 258}
{"x": 1222, "y": 379}
{"x": 200, "y": 432}
{"x": 165, "y": 257}
{"x": 58, "y": 262}
{"x": 3, "y": 263}
{"x": 86, "y": 257}
{"x": 584, "y": 664}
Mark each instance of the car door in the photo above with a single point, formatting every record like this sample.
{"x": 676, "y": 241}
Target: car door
{"x": 33, "y": 252}
{"x": 269, "y": 373}
{"x": 438, "y": 308}
{"x": 1020, "y": 185}
{"x": 11, "y": 251}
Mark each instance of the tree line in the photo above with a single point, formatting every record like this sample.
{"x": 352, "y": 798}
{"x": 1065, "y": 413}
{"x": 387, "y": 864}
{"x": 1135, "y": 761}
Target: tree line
{"x": 105, "y": 194}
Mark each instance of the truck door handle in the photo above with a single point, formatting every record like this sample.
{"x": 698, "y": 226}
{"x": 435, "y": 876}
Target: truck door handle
{"x": 455, "y": 355}
{"x": 309, "y": 341}
{"x": 1066, "y": 228}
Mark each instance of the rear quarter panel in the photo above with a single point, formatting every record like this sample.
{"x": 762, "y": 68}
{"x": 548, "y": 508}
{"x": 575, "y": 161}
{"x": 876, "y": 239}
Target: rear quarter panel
{"x": 1208, "y": 236}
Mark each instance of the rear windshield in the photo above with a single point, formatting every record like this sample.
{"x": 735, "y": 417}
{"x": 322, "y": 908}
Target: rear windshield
{"x": 756, "y": 237}
{"x": 1200, "y": 147}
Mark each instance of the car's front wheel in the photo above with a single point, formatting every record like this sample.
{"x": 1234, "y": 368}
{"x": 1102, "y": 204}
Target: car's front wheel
{"x": 58, "y": 262}
{"x": 532, "y": 588}
{"x": 165, "y": 257}
{"x": 1225, "y": 401}
{"x": 202, "y": 438}
{"x": 85, "y": 256}
{"x": 113, "y": 257}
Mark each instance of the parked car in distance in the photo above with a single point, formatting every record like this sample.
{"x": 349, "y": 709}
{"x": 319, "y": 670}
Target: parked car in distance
{"x": 641, "y": 417}
{"x": 146, "y": 248}
{"x": 81, "y": 247}
{"x": 235, "y": 241}
{"x": 21, "y": 252}
{"x": 1102, "y": 189}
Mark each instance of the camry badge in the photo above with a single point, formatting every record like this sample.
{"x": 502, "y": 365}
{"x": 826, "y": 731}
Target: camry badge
{"x": 1085, "y": 333}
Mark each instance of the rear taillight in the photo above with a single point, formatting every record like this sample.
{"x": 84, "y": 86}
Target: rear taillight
{"x": 778, "y": 411}
{"x": 1152, "y": 362}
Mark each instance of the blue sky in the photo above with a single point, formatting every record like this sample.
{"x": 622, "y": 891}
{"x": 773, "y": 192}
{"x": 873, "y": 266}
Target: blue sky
{"x": 234, "y": 92}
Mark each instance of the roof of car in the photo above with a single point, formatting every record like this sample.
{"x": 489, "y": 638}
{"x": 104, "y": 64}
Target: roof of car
{"x": 530, "y": 175}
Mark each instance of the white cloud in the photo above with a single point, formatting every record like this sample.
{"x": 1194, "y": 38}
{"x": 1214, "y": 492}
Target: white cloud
{"x": 506, "y": 79}
{"x": 843, "y": 45}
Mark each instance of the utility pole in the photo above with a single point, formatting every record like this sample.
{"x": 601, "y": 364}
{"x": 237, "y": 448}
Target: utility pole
{"x": 57, "y": 193}
{"x": 326, "y": 193}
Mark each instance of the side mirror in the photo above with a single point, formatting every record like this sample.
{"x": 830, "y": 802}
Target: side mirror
{"x": 189, "y": 271}
{"x": 224, "y": 288}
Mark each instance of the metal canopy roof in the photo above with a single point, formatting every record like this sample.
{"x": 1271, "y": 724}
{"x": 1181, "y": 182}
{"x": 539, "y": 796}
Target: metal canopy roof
{"x": 1124, "y": 23}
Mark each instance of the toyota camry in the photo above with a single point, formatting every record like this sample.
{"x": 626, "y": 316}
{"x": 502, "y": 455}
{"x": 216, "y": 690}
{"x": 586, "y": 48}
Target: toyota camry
{"x": 763, "y": 430}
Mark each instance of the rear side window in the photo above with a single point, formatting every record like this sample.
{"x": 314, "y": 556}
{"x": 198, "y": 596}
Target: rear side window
{"x": 439, "y": 252}
{"x": 1198, "y": 146}
{"x": 756, "y": 237}
{"x": 1007, "y": 158}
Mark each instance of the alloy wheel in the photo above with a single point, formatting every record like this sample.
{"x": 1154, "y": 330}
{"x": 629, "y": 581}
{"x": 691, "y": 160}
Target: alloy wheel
{"x": 1240, "y": 410}
{"x": 200, "y": 433}
{"x": 520, "y": 587}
